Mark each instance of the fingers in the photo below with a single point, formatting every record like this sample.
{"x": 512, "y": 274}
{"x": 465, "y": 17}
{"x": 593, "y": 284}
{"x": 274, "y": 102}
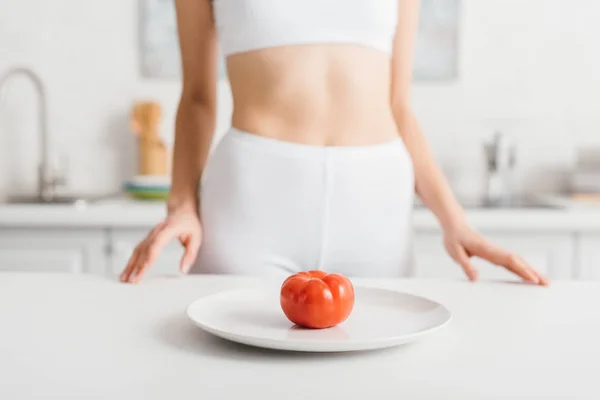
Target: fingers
{"x": 511, "y": 262}
{"x": 131, "y": 265}
{"x": 488, "y": 251}
{"x": 184, "y": 226}
{"x": 146, "y": 253}
{"x": 465, "y": 263}
{"x": 191, "y": 243}
{"x": 134, "y": 261}
{"x": 542, "y": 279}
{"x": 483, "y": 249}
{"x": 139, "y": 272}
{"x": 517, "y": 266}
{"x": 150, "y": 252}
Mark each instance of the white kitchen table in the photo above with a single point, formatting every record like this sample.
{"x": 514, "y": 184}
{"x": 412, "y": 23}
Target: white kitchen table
{"x": 65, "y": 336}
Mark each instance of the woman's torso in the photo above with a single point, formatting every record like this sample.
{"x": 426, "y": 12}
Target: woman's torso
{"x": 310, "y": 71}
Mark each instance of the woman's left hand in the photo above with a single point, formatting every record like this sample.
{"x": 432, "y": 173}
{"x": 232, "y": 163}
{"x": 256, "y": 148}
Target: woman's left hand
{"x": 464, "y": 242}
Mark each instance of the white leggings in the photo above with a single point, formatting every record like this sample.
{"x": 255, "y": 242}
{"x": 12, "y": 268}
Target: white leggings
{"x": 272, "y": 208}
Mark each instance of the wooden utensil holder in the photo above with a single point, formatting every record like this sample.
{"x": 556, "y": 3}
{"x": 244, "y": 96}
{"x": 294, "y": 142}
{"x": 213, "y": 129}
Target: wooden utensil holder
{"x": 153, "y": 155}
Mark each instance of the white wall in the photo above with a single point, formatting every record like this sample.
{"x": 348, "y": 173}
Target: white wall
{"x": 87, "y": 54}
{"x": 529, "y": 67}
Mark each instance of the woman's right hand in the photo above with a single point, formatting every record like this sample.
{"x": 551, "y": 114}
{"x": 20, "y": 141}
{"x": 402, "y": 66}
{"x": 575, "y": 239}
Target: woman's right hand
{"x": 182, "y": 225}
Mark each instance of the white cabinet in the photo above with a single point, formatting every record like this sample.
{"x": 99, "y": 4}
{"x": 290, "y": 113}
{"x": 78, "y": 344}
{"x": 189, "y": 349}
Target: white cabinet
{"x": 588, "y": 255}
{"x": 53, "y": 250}
{"x": 550, "y": 253}
{"x": 560, "y": 255}
{"x": 430, "y": 259}
{"x": 124, "y": 242}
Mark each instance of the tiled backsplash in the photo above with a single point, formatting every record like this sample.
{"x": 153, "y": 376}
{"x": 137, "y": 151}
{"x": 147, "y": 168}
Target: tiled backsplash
{"x": 527, "y": 68}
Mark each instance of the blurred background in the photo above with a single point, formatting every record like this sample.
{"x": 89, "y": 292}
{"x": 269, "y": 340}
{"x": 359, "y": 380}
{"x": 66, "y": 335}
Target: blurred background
{"x": 507, "y": 91}
{"x": 530, "y": 69}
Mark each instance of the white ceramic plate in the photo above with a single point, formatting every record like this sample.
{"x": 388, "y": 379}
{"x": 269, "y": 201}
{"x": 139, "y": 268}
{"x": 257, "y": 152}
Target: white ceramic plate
{"x": 380, "y": 318}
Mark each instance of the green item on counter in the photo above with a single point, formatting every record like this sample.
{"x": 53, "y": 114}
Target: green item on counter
{"x": 147, "y": 193}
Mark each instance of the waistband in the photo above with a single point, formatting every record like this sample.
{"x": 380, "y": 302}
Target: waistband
{"x": 276, "y": 146}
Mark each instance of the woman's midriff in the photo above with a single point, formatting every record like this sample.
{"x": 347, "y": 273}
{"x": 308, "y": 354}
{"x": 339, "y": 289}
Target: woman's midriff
{"x": 326, "y": 95}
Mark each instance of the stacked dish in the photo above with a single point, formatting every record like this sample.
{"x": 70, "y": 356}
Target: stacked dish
{"x": 148, "y": 187}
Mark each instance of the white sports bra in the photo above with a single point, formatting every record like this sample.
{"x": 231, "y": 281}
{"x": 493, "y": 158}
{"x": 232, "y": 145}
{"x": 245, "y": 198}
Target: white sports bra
{"x": 245, "y": 25}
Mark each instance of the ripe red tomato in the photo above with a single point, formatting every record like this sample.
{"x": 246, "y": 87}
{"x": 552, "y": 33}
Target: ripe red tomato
{"x": 315, "y": 299}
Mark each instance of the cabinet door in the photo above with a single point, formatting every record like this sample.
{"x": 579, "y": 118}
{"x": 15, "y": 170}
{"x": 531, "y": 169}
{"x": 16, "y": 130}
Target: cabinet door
{"x": 588, "y": 254}
{"x": 430, "y": 259}
{"x": 551, "y": 254}
{"x": 53, "y": 250}
{"x": 123, "y": 243}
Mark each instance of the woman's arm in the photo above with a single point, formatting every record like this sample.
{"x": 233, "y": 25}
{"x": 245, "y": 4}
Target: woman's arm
{"x": 194, "y": 129}
{"x": 430, "y": 183}
{"x": 460, "y": 240}
{"x": 195, "y": 121}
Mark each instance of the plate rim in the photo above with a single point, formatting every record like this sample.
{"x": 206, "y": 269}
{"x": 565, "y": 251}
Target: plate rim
{"x": 305, "y": 346}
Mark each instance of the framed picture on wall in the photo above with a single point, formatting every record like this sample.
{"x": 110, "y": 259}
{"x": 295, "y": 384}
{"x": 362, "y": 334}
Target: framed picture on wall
{"x": 436, "y": 49}
{"x": 159, "y": 41}
{"x": 436, "y": 52}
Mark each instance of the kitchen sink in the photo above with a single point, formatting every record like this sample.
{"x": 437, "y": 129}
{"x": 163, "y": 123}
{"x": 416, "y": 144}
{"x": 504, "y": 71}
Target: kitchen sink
{"x": 520, "y": 202}
{"x": 56, "y": 200}
{"x": 53, "y": 200}
{"x": 509, "y": 203}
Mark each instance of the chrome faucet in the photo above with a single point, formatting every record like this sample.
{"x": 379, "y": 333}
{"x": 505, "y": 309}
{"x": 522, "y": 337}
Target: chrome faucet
{"x": 48, "y": 178}
{"x": 500, "y": 160}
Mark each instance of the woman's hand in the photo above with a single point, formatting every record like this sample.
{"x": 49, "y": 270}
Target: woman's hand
{"x": 182, "y": 225}
{"x": 464, "y": 243}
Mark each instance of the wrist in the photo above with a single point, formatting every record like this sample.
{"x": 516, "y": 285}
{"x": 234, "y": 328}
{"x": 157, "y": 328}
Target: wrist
{"x": 453, "y": 228}
{"x": 452, "y": 219}
{"x": 181, "y": 203}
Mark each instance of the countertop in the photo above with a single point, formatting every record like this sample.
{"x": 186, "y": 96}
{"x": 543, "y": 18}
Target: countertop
{"x": 124, "y": 213}
{"x": 86, "y": 337}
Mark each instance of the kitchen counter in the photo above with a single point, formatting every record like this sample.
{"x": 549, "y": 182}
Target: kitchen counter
{"x": 106, "y": 213}
{"x": 123, "y": 213}
{"x": 76, "y": 336}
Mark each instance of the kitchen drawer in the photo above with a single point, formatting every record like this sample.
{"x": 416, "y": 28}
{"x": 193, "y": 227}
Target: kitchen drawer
{"x": 53, "y": 250}
{"x": 588, "y": 255}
